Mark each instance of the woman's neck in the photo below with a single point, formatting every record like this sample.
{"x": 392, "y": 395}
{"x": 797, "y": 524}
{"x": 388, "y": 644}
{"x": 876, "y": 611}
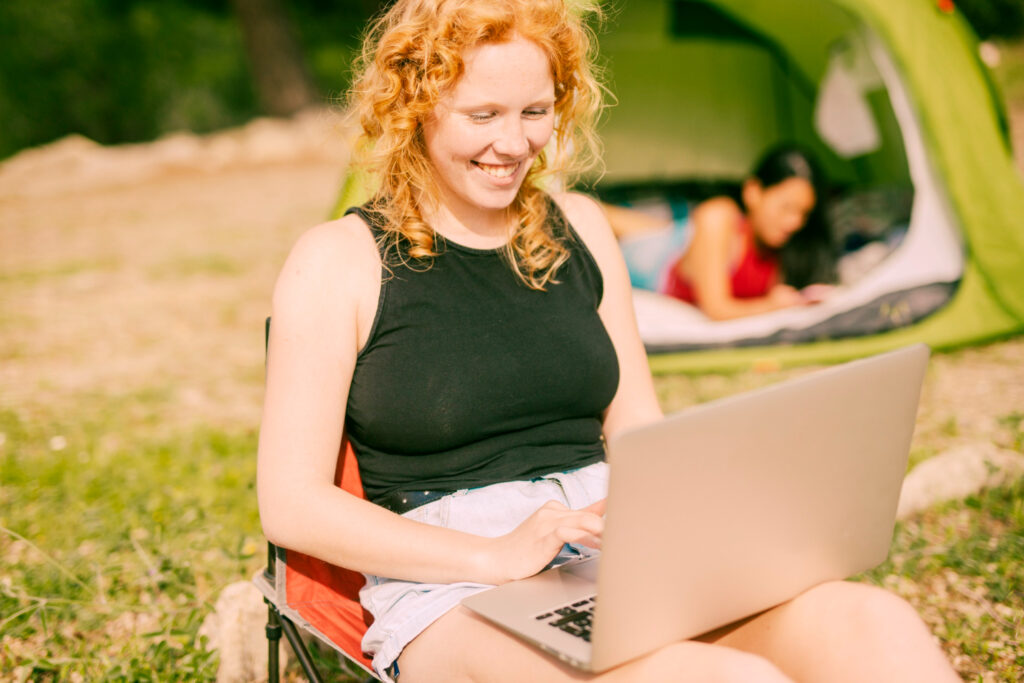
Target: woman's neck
{"x": 478, "y": 229}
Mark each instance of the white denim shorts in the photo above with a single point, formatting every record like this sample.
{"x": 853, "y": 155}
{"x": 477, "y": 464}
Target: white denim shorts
{"x": 403, "y": 609}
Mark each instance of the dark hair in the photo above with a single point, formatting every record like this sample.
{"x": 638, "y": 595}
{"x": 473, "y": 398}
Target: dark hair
{"x": 783, "y": 163}
{"x": 809, "y": 256}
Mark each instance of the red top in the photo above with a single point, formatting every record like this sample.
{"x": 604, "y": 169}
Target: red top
{"x": 753, "y": 276}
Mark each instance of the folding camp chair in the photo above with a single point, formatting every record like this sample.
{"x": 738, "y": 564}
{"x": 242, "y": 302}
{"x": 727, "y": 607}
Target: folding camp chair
{"x": 308, "y": 593}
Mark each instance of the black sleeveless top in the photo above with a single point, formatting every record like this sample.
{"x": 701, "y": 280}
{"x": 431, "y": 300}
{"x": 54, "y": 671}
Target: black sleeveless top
{"x": 469, "y": 377}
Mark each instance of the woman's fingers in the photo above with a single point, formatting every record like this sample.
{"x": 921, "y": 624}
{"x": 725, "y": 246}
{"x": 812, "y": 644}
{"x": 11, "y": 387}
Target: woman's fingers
{"x": 578, "y": 537}
{"x": 588, "y": 519}
{"x": 538, "y": 539}
{"x": 817, "y": 293}
{"x": 784, "y": 295}
{"x": 583, "y": 526}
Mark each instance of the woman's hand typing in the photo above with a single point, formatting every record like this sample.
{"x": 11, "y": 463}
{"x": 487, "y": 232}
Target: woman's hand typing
{"x": 531, "y": 546}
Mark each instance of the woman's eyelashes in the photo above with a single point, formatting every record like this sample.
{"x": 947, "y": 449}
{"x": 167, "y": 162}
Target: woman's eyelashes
{"x": 485, "y": 116}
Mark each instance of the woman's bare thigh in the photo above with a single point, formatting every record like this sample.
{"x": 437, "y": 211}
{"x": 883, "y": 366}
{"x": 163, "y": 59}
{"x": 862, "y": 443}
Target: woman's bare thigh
{"x": 462, "y": 647}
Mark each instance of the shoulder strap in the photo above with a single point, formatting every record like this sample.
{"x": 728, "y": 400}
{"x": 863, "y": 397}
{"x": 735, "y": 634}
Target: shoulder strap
{"x": 561, "y": 228}
{"x": 373, "y": 219}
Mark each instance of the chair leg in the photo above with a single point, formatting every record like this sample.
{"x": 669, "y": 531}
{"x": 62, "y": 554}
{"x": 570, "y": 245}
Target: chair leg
{"x": 275, "y": 624}
{"x": 273, "y": 643}
{"x": 299, "y": 648}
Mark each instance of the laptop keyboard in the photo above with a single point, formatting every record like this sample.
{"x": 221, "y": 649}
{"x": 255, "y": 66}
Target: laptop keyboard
{"x": 574, "y": 619}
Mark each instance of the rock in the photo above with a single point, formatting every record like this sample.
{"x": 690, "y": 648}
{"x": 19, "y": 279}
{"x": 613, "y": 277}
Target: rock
{"x": 236, "y": 630}
{"x": 956, "y": 474}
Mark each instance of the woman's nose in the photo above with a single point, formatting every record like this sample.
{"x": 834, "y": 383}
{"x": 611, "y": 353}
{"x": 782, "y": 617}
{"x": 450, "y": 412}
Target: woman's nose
{"x": 512, "y": 139}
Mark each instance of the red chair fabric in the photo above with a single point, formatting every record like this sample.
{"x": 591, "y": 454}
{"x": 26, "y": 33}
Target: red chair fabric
{"x": 327, "y": 596}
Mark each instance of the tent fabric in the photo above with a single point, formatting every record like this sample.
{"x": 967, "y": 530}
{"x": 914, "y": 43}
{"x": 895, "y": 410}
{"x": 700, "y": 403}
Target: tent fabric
{"x": 936, "y": 52}
{"x": 700, "y": 103}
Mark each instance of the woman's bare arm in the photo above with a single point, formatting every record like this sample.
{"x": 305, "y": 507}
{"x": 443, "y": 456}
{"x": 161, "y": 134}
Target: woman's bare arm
{"x": 630, "y": 222}
{"x": 709, "y": 261}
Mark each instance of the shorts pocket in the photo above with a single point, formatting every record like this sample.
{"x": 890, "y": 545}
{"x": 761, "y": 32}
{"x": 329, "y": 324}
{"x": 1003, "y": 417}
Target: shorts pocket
{"x": 434, "y": 513}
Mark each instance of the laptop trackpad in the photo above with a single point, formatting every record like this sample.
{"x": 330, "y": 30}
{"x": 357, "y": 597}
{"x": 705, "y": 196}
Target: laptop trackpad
{"x": 585, "y": 569}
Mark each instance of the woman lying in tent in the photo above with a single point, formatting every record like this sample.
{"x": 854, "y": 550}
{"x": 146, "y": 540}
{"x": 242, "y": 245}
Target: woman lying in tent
{"x": 474, "y": 339}
{"x": 734, "y": 259}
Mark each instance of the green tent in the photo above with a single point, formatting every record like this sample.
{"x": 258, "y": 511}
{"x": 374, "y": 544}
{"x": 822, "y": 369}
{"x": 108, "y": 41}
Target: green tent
{"x": 888, "y": 93}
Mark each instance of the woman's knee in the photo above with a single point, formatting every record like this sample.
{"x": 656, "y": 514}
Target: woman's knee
{"x": 858, "y": 605}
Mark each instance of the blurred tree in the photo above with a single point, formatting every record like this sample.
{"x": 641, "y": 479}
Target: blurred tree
{"x": 131, "y": 70}
{"x": 994, "y": 18}
{"x": 278, "y": 66}
{"x": 118, "y": 70}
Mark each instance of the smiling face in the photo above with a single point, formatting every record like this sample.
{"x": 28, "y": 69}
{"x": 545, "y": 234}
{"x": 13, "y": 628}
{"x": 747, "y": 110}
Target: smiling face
{"x": 483, "y": 137}
{"x": 778, "y": 211}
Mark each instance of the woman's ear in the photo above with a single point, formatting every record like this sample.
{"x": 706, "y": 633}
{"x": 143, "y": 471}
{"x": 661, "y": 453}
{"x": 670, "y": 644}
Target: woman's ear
{"x": 751, "y": 194}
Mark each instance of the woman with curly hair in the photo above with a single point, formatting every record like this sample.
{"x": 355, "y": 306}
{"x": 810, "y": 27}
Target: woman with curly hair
{"x": 473, "y": 337}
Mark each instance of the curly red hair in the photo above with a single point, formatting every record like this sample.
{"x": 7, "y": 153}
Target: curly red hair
{"x": 413, "y": 56}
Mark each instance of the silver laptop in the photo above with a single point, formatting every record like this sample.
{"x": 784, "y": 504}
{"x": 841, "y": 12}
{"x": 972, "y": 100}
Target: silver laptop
{"x": 729, "y": 508}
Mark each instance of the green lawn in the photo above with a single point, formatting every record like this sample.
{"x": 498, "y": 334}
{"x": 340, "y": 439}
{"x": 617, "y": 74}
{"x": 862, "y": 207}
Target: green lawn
{"x": 115, "y": 542}
{"x": 116, "y": 538}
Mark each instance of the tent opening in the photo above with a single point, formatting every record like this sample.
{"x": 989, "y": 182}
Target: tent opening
{"x": 704, "y": 87}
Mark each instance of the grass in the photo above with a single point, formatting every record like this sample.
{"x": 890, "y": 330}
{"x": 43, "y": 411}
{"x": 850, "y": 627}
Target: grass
{"x": 117, "y": 535}
{"x": 33, "y": 276}
{"x": 115, "y": 548}
{"x": 203, "y": 264}
{"x": 1013, "y": 423}
{"x": 960, "y": 564}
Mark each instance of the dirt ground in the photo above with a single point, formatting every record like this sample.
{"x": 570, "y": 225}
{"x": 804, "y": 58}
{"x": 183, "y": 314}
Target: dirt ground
{"x": 146, "y": 270}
